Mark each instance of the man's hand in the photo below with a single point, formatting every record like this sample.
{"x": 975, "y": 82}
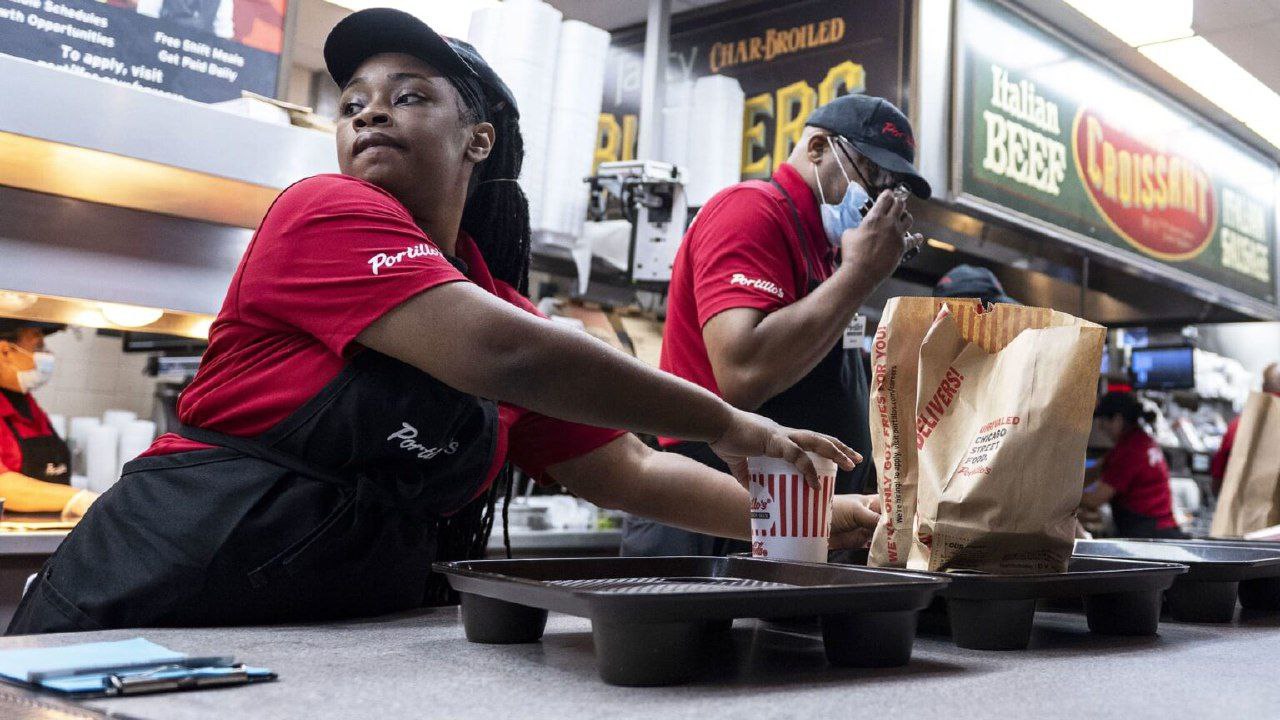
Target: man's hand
{"x": 877, "y": 245}
{"x": 853, "y": 519}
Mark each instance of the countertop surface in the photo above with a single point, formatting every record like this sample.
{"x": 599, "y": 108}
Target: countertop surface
{"x": 30, "y": 542}
{"x": 418, "y": 665}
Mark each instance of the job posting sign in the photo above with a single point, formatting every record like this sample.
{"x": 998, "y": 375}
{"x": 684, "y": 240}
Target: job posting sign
{"x": 204, "y": 50}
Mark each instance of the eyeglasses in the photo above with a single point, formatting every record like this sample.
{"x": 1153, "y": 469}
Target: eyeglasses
{"x": 883, "y": 180}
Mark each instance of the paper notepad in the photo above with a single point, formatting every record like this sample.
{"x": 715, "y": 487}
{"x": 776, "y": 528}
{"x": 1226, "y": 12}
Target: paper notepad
{"x": 18, "y": 665}
{"x": 90, "y": 667}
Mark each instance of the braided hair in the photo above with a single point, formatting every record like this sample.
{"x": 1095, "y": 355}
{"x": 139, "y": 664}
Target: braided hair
{"x": 496, "y": 216}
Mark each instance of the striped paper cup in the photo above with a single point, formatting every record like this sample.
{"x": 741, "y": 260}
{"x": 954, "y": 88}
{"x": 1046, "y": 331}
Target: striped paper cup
{"x": 789, "y": 519}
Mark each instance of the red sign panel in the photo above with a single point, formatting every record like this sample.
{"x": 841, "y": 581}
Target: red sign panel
{"x": 1161, "y": 202}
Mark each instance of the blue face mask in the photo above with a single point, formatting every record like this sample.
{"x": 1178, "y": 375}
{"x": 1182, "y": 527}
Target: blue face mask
{"x": 846, "y": 214}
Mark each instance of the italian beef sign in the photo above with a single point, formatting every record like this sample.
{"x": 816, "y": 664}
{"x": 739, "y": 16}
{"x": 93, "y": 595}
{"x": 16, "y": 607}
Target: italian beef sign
{"x": 1067, "y": 141}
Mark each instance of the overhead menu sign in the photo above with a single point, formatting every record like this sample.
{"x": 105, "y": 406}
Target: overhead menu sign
{"x": 205, "y": 50}
{"x": 1066, "y": 141}
{"x": 789, "y": 58}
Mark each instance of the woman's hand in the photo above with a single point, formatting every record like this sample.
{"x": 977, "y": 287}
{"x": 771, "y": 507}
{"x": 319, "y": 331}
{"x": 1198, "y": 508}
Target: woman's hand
{"x": 853, "y": 519}
{"x": 748, "y": 434}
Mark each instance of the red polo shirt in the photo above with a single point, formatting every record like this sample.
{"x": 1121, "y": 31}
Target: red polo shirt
{"x": 332, "y": 255}
{"x": 1136, "y": 468}
{"x": 1218, "y": 466}
{"x": 12, "y": 421}
{"x": 742, "y": 251}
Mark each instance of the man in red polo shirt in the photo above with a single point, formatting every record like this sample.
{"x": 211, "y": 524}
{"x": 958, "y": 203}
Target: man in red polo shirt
{"x": 767, "y": 283}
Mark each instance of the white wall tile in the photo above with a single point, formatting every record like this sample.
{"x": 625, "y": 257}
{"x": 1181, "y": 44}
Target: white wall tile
{"x": 93, "y": 374}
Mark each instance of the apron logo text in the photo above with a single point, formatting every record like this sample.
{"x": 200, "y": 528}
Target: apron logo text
{"x": 407, "y": 435}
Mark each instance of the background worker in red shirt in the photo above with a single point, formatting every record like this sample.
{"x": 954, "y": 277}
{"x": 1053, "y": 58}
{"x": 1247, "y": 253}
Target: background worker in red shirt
{"x": 35, "y": 464}
{"x": 1218, "y": 467}
{"x": 767, "y": 284}
{"x": 1134, "y": 475}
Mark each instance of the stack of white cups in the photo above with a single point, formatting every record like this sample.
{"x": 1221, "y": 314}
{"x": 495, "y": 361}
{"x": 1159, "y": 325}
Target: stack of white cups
{"x": 118, "y": 419}
{"x": 519, "y": 39}
{"x": 78, "y": 440}
{"x": 102, "y": 457}
{"x": 675, "y": 124}
{"x": 135, "y": 439}
{"x": 107, "y": 445}
{"x": 575, "y": 111}
{"x": 714, "y": 158}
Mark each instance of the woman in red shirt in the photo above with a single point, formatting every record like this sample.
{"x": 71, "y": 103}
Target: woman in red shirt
{"x": 374, "y": 369}
{"x": 1135, "y": 476}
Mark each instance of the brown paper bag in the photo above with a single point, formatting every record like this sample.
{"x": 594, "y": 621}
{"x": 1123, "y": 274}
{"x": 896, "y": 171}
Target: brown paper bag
{"x": 1003, "y": 410}
{"x": 895, "y": 360}
{"x": 1250, "y": 498}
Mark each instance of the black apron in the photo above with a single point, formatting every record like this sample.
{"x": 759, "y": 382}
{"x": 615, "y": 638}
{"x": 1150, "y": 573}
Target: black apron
{"x": 1130, "y": 524}
{"x": 328, "y": 515}
{"x": 44, "y": 458}
{"x": 831, "y": 399}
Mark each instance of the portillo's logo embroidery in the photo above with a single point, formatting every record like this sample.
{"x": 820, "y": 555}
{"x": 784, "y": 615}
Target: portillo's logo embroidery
{"x": 758, "y": 284}
{"x": 382, "y": 261}
{"x": 1160, "y": 202}
{"x": 894, "y": 131}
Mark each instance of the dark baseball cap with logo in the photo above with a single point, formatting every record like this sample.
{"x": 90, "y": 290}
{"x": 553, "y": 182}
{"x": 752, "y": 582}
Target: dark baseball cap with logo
{"x": 878, "y": 130}
{"x": 366, "y": 33}
{"x": 971, "y": 281}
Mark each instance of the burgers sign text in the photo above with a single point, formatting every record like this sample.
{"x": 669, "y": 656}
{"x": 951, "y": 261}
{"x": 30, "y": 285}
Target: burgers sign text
{"x": 788, "y": 57}
{"x": 1068, "y": 142}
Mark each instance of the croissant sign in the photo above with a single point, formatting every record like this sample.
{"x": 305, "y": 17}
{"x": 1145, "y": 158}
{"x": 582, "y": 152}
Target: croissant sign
{"x": 1059, "y": 142}
{"x": 1160, "y": 202}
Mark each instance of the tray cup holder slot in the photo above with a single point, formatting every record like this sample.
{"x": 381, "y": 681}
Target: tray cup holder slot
{"x": 1127, "y": 613}
{"x": 1208, "y": 602}
{"x": 872, "y": 639}
{"x": 640, "y": 654}
{"x": 1261, "y": 594}
{"x": 991, "y": 624}
{"x": 499, "y": 622}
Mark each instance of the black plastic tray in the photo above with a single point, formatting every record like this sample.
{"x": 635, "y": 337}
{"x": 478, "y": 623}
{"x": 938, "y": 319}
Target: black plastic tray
{"x": 996, "y": 612}
{"x": 1220, "y": 572}
{"x": 650, "y": 617}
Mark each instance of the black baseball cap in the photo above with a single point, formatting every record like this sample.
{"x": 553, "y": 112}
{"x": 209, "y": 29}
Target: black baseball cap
{"x": 971, "y": 281}
{"x": 366, "y": 33}
{"x": 878, "y": 130}
{"x": 10, "y": 326}
{"x": 1120, "y": 402}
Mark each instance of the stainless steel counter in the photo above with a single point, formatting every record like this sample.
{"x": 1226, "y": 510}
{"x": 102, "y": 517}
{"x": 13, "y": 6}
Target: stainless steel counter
{"x": 30, "y": 543}
{"x": 21, "y": 554}
{"x": 556, "y": 543}
{"x": 419, "y": 665}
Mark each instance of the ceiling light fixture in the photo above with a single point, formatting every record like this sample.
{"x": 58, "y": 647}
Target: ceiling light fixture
{"x": 452, "y": 19}
{"x": 1161, "y": 30}
{"x": 129, "y": 316}
{"x": 1140, "y": 22}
